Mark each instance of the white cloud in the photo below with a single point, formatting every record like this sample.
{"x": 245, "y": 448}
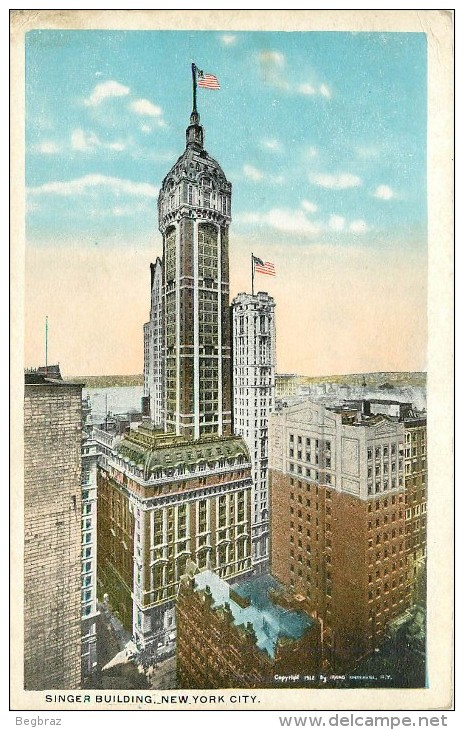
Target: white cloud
{"x": 336, "y": 222}
{"x": 145, "y": 108}
{"x": 272, "y": 68}
{"x": 308, "y": 206}
{"x": 283, "y": 220}
{"x": 106, "y": 90}
{"x": 249, "y": 218}
{"x": 384, "y": 192}
{"x": 307, "y": 89}
{"x": 116, "y": 146}
{"x": 84, "y": 142}
{"x": 291, "y": 221}
{"x": 253, "y": 173}
{"x": 271, "y": 144}
{"x": 311, "y": 152}
{"x": 272, "y": 58}
{"x": 311, "y": 90}
{"x": 48, "y": 148}
{"x": 83, "y": 185}
{"x": 367, "y": 153}
{"x": 228, "y": 39}
{"x": 338, "y": 181}
{"x": 358, "y": 226}
{"x": 146, "y": 129}
{"x": 89, "y": 142}
{"x": 296, "y": 222}
{"x": 31, "y": 206}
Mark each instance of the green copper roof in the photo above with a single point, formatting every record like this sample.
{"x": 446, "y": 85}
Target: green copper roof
{"x": 153, "y": 450}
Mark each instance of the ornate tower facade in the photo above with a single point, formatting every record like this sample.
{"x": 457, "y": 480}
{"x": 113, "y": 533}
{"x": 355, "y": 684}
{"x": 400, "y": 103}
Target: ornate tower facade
{"x": 194, "y": 217}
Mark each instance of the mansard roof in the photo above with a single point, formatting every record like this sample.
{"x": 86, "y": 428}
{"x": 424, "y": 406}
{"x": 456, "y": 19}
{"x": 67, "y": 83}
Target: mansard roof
{"x": 153, "y": 450}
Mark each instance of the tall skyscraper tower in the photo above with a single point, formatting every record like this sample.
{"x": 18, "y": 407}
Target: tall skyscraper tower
{"x": 194, "y": 217}
{"x": 254, "y": 357}
{"x": 153, "y": 346}
{"x": 179, "y": 495}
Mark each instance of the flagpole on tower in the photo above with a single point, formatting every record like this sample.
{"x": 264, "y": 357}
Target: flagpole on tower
{"x": 252, "y": 275}
{"x": 194, "y": 87}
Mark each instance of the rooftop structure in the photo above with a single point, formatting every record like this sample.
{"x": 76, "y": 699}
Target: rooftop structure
{"x": 245, "y": 636}
{"x": 251, "y": 606}
{"x": 151, "y": 453}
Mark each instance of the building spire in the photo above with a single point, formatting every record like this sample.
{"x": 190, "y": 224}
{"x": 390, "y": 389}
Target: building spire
{"x": 194, "y": 130}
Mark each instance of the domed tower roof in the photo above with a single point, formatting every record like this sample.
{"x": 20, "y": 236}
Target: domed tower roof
{"x": 210, "y": 191}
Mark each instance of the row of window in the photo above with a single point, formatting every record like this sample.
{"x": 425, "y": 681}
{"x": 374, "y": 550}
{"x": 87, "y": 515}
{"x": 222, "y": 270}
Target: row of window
{"x": 388, "y": 501}
{"x": 317, "y": 443}
{"x": 386, "y": 451}
{"x": 312, "y": 474}
{"x": 312, "y": 458}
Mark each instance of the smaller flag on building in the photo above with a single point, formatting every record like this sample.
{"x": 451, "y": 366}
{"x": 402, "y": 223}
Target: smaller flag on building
{"x": 207, "y": 81}
{"x": 263, "y": 267}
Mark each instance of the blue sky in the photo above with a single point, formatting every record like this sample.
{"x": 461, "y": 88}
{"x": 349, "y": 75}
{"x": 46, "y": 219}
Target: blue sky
{"x": 322, "y": 134}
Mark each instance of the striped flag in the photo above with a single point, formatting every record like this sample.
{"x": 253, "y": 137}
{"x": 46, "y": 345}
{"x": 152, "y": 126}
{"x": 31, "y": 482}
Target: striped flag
{"x": 263, "y": 267}
{"x": 207, "y": 81}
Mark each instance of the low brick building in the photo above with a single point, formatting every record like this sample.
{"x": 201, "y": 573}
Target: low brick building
{"x": 240, "y": 637}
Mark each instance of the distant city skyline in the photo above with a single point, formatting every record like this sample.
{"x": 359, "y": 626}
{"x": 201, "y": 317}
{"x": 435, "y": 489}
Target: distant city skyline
{"x": 323, "y": 136}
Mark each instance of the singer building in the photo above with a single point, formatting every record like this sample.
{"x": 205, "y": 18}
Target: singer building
{"x": 178, "y": 490}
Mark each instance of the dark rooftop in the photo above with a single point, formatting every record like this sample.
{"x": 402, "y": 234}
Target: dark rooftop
{"x": 36, "y": 378}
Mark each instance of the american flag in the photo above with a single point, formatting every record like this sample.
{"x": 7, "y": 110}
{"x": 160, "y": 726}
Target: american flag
{"x": 208, "y": 81}
{"x": 263, "y": 267}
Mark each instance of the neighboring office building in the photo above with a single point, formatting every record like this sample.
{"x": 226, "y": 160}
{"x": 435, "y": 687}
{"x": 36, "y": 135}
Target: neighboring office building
{"x": 415, "y": 476}
{"x": 339, "y": 521}
{"x": 153, "y": 347}
{"x": 164, "y": 500}
{"x": 287, "y": 384}
{"x": 52, "y": 543}
{"x": 90, "y": 455}
{"x": 254, "y": 357}
{"x": 232, "y": 638}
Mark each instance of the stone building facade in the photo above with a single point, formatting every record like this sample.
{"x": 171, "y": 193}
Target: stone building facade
{"x": 90, "y": 455}
{"x": 52, "y": 541}
{"x": 254, "y": 360}
{"x": 165, "y": 500}
{"x": 415, "y": 477}
{"x": 339, "y": 521}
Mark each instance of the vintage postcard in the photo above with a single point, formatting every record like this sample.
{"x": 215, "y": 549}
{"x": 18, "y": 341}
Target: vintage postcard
{"x": 232, "y": 261}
